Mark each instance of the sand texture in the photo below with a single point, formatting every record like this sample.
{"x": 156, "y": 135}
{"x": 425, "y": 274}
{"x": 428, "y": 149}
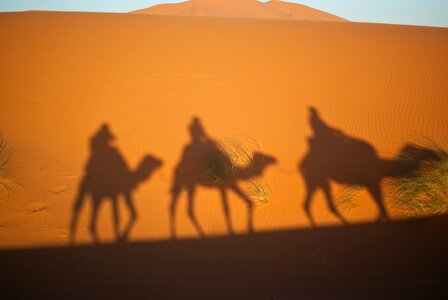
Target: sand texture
{"x": 132, "y": 99}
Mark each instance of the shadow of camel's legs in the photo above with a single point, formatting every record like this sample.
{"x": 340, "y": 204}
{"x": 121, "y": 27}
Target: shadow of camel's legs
{"x": 307, "y": 204}
{"x": 375, "y": 190}
{"x": 115, "y": 218}
{"x": 75, "y": 214}
{"x": 93, "y": 218}
{"x": 191, "y": 214}
{"x": 250, "y": 208}
{"x": 173, "y": 205}
{"x": 133, "y": 218}
{"x": 225, "y": 206}
{"x": 327, "y": 191}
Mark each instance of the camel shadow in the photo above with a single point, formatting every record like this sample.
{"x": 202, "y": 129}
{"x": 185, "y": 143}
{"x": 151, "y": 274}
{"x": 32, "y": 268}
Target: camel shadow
{"x": 204, "y": 163}
{"x": 334, "y": 155}
{"x": 107, "y": 176}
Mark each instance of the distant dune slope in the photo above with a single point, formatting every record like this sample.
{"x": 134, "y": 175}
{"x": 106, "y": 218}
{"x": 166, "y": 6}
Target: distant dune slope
{"x": 273, "y": 9}
{"x": 63, "y": 75}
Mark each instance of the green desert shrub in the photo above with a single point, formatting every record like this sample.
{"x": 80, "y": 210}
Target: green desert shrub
{"x": 425, "y": 191}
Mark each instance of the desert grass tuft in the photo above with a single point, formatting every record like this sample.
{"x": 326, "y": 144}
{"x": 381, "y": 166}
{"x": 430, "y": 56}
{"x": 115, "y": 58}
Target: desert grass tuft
{"x": 239, "y": 153}
{"x": 5, "y": 158}
{"x": 348, "y": 198}
{"x": 217, "y": 166}
{"x": 425, "y": 191}
{"x": 223, "y": 158}
{"x": 259, "y": 192}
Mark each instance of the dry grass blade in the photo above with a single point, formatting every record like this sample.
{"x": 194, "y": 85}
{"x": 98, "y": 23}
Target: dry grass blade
{"x": 5, "y": 157}
{"x": 217, "y": 167}
{"x": 223, "y": 159}
{"x": 259, "y": 192}
{"x": 424, "y": 192}
{"x": 347, "y": 199}
{"x": 239, "y": 153}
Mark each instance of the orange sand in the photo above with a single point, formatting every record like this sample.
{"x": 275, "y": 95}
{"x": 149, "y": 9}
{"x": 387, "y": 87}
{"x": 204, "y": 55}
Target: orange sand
{"x": 273, "y": 9}
{"x": 65, "y": 74}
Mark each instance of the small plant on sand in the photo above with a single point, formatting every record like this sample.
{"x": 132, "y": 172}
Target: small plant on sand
{"x": 425, "y": 191}
{"x": 222, "y": 159}
{"x": 347, "y": 199}
{"x": 238, "y": 152}
{"x": 259, "y": 192}
{"x": 217, "y": 167}
{"x": 5, "y": 179}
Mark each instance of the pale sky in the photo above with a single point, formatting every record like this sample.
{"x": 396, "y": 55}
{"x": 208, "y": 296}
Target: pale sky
{"x": 411, "y": 12}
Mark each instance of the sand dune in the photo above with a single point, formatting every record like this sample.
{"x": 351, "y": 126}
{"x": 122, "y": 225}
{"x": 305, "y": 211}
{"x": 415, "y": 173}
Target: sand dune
{"x": 273, "y": 9}
{"x": 64, "y": 75}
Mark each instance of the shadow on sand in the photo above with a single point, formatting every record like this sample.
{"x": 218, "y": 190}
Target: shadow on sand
{"x": 334, "y": 155}
{"x": 107, "y": 176}
{"x": 205, "y": 163}
{"x": 391, "y": 260}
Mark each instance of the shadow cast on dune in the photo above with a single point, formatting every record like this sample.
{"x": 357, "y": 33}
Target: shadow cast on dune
{"x": 334, "y": 155}
{"x": 391, "y": 260}
{"x": 205, "y": 163}
{"x": 107, "y": 175}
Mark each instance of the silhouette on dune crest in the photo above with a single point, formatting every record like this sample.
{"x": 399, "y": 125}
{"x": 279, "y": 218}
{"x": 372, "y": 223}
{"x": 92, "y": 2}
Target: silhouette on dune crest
{"x": 333, "y": 155}
{"x": 107, "y": 175}
{"x": 203, "y": 163}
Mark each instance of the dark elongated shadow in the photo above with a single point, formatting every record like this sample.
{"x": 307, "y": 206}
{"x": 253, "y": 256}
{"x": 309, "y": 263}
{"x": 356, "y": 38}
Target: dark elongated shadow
{"x": 204, "y": 163}
{"x": 334, "y": 155}
{"x": 391, "y": 260}
{"x": 108, "y": 176}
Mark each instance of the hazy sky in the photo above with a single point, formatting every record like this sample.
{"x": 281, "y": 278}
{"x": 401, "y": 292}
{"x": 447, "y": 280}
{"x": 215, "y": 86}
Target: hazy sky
{"x": 416, "y": 12}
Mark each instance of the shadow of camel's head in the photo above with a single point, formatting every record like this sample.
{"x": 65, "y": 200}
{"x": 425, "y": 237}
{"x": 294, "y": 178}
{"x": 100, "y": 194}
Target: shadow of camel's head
{"x": 263, "y": 159}
{"x": 147, "y": 165}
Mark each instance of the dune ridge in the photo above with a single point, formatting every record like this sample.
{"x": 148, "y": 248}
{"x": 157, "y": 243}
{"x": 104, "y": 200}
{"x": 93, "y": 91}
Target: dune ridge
{"x": 273, "y": 9}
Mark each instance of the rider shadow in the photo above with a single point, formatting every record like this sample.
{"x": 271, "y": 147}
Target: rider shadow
{"x": 205, "y": 163}
{"x": 334, "y": 155}
{"x": 107, "y": 176}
